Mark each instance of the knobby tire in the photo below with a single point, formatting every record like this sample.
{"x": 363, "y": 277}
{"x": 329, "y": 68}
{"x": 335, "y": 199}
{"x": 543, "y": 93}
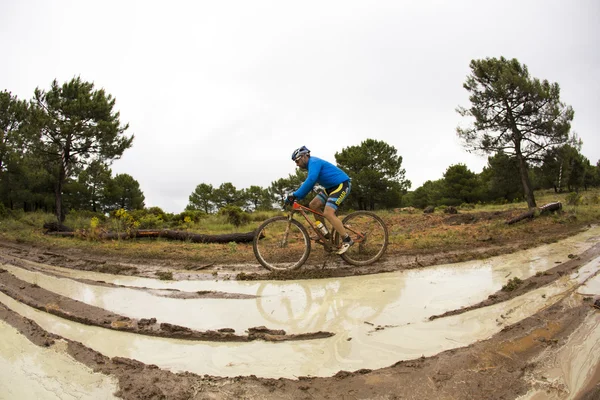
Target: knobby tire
{"x": 373, "y": 246}
{"x": 278, "y": 252}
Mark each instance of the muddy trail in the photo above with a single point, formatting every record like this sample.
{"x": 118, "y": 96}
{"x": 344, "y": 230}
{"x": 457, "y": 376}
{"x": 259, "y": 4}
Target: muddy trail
{"x": 477, "y": 241}
{"x": 525, "y": 324}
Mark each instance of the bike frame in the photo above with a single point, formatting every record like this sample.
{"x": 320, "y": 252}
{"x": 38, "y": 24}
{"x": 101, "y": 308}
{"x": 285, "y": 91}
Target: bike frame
{"x": 298, "y": 208}
{"x": 327, "y": 243}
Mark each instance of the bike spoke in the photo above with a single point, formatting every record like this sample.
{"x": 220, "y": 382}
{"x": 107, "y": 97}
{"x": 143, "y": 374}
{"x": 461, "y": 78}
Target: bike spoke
{"x": 283, "y": 244}
{"x": 370, "y": 237}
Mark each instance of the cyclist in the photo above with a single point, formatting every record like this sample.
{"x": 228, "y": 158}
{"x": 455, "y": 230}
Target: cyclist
{"x": 337, "y": 188}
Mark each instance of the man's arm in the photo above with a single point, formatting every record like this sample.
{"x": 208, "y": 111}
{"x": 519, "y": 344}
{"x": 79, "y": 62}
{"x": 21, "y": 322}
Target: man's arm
{"x": 311, "y": 180}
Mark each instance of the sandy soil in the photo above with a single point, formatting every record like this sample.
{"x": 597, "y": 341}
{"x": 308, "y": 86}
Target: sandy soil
{"x": 493, "y": 369}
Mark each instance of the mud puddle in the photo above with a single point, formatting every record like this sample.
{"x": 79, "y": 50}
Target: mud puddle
{"x": 572, "y": 369}
{"x": 29, "y": 367}
{"x": 334, "y": 305}
{"x": 544, "y": 339}
{"x": 374, "y": 325}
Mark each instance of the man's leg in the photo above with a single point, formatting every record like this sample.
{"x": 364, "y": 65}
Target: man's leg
{"x": 317, "y": 204}
{"x": 335, "y": 199}
{"x": 334, "y": 221}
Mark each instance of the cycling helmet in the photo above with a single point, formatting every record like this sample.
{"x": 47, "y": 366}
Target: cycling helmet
{"x": 299, "y": 153}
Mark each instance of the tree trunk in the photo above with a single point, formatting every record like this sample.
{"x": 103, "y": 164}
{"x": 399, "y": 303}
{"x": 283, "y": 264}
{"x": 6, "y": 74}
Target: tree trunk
{"x": 527, "y": 190}
{"x": 58, "y": 200}
{"x": 545, "y": 209}
{"x": 528, "y": 215}
{"x": 550, "y": 207}
{"x": 560, "y": 176}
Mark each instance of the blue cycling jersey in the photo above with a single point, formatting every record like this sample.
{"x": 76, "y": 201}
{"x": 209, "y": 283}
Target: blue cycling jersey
{"x": 322, "y": 172}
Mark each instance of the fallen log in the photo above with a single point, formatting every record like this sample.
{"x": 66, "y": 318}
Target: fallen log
{"x": 528, "y": 215}
{"x": 165, "y": 233}
{"x": 550, "y": 207}
{"x": 56, "y": 227}
{"x": 545, "y": 209}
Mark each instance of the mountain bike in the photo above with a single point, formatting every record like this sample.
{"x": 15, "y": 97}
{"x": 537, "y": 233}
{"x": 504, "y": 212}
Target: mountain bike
{"x": 283, "y": 243}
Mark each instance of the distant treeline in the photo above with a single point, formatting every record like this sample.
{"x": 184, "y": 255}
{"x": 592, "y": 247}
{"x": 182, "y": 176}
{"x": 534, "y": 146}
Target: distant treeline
{"x": 56, "y": 150}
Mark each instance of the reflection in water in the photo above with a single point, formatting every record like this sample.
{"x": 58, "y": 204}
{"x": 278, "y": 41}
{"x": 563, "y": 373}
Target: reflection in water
{"x": 335, "y": 305}
{"x": 592, "y": 286}
{"x": 377, "y": 319}
{"x": 359, "y": 345}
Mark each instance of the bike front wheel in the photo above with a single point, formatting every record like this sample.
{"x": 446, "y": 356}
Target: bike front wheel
{"x": 281, "y": 243}
{"x": 370, "y": 236}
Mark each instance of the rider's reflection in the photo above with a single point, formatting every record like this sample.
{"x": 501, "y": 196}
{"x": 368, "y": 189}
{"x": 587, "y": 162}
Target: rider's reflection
{"x": 341, "y": 306}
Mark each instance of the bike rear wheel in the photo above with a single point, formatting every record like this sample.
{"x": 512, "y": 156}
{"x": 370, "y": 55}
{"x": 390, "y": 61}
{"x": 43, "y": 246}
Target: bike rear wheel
{"x": 281, "y": 244}
{"x": 370, "y": 236}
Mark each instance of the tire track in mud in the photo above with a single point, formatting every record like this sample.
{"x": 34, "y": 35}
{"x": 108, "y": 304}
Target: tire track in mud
{"x": 77, "y": 311}
{"x": 74, "y": 310}
{"x": 493, "y": 368}
{"x": 169, "y": 293}
{"x": 531, "y": 283}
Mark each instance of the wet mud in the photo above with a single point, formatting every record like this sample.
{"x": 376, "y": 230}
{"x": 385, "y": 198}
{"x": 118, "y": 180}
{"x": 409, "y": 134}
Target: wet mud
{"x": 511, "y": 364}
{"x": 169, "y": 293}
{"x": 490, "y": 369}
{"x": 73, "y": 310}
{"x": 538, "y": 280}
{"x": 318, "y": 266}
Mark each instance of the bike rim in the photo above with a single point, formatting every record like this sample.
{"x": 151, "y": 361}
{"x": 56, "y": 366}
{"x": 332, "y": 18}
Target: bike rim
{"x": 370, "y": 238}
{"x": 281, "y": 244}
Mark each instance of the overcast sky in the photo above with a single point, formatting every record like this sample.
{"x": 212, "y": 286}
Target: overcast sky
{"x": 224, "y": 91}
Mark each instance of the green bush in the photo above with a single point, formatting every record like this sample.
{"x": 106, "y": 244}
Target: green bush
{"x": 80, "y": 219}
{"x": 156, "y": 211}
{"x": 574, "y": 199}
{"x": 152, "y": 213}
{"x": 235, "y": 215}
{"x": 194, "y": 216}
{"x": 512, "y": 284}
{"x": 151, "y": 221}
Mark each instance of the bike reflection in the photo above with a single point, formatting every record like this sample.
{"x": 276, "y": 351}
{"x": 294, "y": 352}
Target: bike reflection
{"x": 344, "y": 306}
{"x": 327, "y": 304}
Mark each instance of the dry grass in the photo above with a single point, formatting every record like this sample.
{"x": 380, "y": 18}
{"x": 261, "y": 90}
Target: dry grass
{"x": 410, "y": 233}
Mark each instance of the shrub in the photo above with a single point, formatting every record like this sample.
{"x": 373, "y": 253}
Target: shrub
{"x": 151, "y": 221}
{"x": 156, "y": 211}
{"x": 122, "y": 221}
{"x": 80, "y": 219}
{"x": 193, "y": 215}
{"x": 574, "y": 199}
{"x": 512, "y": 284}
{"x": 151, "y": 212}
{"x": 235, "y": 215}
{"x": 164, "y": 276}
